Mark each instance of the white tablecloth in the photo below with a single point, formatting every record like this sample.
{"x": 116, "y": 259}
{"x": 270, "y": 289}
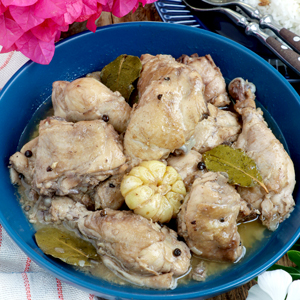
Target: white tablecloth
{"x": 20, "y": 277}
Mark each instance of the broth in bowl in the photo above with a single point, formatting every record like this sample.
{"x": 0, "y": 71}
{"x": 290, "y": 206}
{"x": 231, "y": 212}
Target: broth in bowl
{"x": 129, "y": 192}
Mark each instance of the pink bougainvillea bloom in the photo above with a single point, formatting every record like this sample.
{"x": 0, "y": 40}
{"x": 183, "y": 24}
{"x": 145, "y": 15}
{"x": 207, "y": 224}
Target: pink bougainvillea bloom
{"x": 10, "y": 31}
{"x": 33, "y": 26}
{"x": 50, "y": 8}
{"x": 120, "y": 8}
{"x": 91, "y": 23}
{"x": 12, "y": 48}
{"x": 36, "y": 49}
{"x": 25, "y": 16}
{"x": 88, "y": 9}
{"x": 73, "y": 12}
{"x": 46, "y": 31}
{"x": 18, "y": 2}
{"x": 2, "y": 8}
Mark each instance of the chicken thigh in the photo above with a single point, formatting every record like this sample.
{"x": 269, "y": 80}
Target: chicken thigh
{"x": 215, "y": 86}
{"x": 220, "y": 127}
{"x": 208, "y": 219}
{"x": 170, "y": 106}
{"x": 133, "y": 247}
{"x": 73, "y": 157}
{"x": 88, "y": 99}
{"x": 273, "y": 162}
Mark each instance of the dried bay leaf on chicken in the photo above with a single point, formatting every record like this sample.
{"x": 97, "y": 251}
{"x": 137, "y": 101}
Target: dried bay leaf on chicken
{"x": 120, "y": 74}
{"x": 66, "y": 246}
{"x": 241, "y": 169}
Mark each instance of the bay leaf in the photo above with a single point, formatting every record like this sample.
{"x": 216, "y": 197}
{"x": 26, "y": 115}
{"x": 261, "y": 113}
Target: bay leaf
{"x": 120, "y": 74}
{"x": 241, "y": 169}
{"x": 66, "y": 246}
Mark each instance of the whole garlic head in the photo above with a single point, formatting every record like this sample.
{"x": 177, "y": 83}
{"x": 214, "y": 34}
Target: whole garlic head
{"x": 154, "y": 191}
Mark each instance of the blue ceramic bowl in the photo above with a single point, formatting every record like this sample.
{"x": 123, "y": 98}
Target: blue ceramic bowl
{"x": 87, "y": 52}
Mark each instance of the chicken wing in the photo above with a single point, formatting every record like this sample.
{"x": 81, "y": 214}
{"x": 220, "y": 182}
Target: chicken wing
{"x": 170, "y": 106}
{"x": 133, "y": 247}
{"x": 208, "y": 219}
{"x": 273, "y": 162}
{"x": 88, "y": 99}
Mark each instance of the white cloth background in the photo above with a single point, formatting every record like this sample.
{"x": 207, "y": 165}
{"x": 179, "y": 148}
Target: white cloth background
{"x": 21, "y": 278}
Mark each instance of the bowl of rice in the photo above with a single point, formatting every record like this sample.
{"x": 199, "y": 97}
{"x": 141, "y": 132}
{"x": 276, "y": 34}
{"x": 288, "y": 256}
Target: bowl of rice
{"x": 285, "y": 13}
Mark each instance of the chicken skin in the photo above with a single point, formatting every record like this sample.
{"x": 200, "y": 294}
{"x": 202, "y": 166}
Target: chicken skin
{"x": 133, "y": 247}
{"x": 273, "y": 162}
{"x": 73, "y": 157}
{"x": 215, "y": 86}
{"x": 220, "y": 127}
{"x": 170, "y": 106}
{"x": 208, "y": 219}
{"x": 88, "y": 99}
{"x": 186, "y": 165}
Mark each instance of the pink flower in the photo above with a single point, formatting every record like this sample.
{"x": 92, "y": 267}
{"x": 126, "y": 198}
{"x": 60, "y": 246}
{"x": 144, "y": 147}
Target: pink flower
{"x": 33, "y": 26}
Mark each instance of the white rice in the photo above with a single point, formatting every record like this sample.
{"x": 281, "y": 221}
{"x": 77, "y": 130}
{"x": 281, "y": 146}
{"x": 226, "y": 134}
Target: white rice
{"x": 285, "y": 12}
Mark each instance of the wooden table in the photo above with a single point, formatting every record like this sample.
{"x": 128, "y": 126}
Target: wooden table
{"x": 149, "y": 13}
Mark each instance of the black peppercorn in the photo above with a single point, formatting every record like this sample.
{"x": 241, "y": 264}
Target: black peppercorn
{"x": 27, "y": 208}
{"x": 28, "y": 153}
{"x": 105, "y": 118}
{"x": 102, "y": 213}
{"x": 177, "y": 252}
{"x": 111, "y": 185}
{"x": 159, "y": 96}
{"x": 49, "y": 169}
{"x": 193, "y": 222}
{"x": 201, "y": 165}
{"x": 222, "y": 220}
{"x": 167, "y": 78}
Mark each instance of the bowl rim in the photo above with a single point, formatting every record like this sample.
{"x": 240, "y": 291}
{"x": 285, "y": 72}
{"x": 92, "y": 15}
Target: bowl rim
{"x": 82, "y": 284}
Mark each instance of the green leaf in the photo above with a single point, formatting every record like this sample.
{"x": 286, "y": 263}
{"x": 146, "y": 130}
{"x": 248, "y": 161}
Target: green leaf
{"x": 66, "y": 246}
{"x": 294, "y": 256}
{"x": 120, "y": 74}
{"x": 241, "y": 169}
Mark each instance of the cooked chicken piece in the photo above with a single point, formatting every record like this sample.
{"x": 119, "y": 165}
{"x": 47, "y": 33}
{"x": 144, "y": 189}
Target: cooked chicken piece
{"x": 199, "y": 273}
{"x": 22, "y": 163}
{"x": 215, "y": 86}
{"x": 170, "y": 106}
{"x": 186, "y": 165}
{"x": 70, "y": 158}
{"x": 220, "y": 127}
{"x": 108, "y": 193}
{"x": 85, "y": 198}
{"x": 208, "y": 219}
{"x": 88, "y": 99}
{"x": 247, "y": 212}
{"x": 133, "y": 247}
{"x": 274, "y": 164}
